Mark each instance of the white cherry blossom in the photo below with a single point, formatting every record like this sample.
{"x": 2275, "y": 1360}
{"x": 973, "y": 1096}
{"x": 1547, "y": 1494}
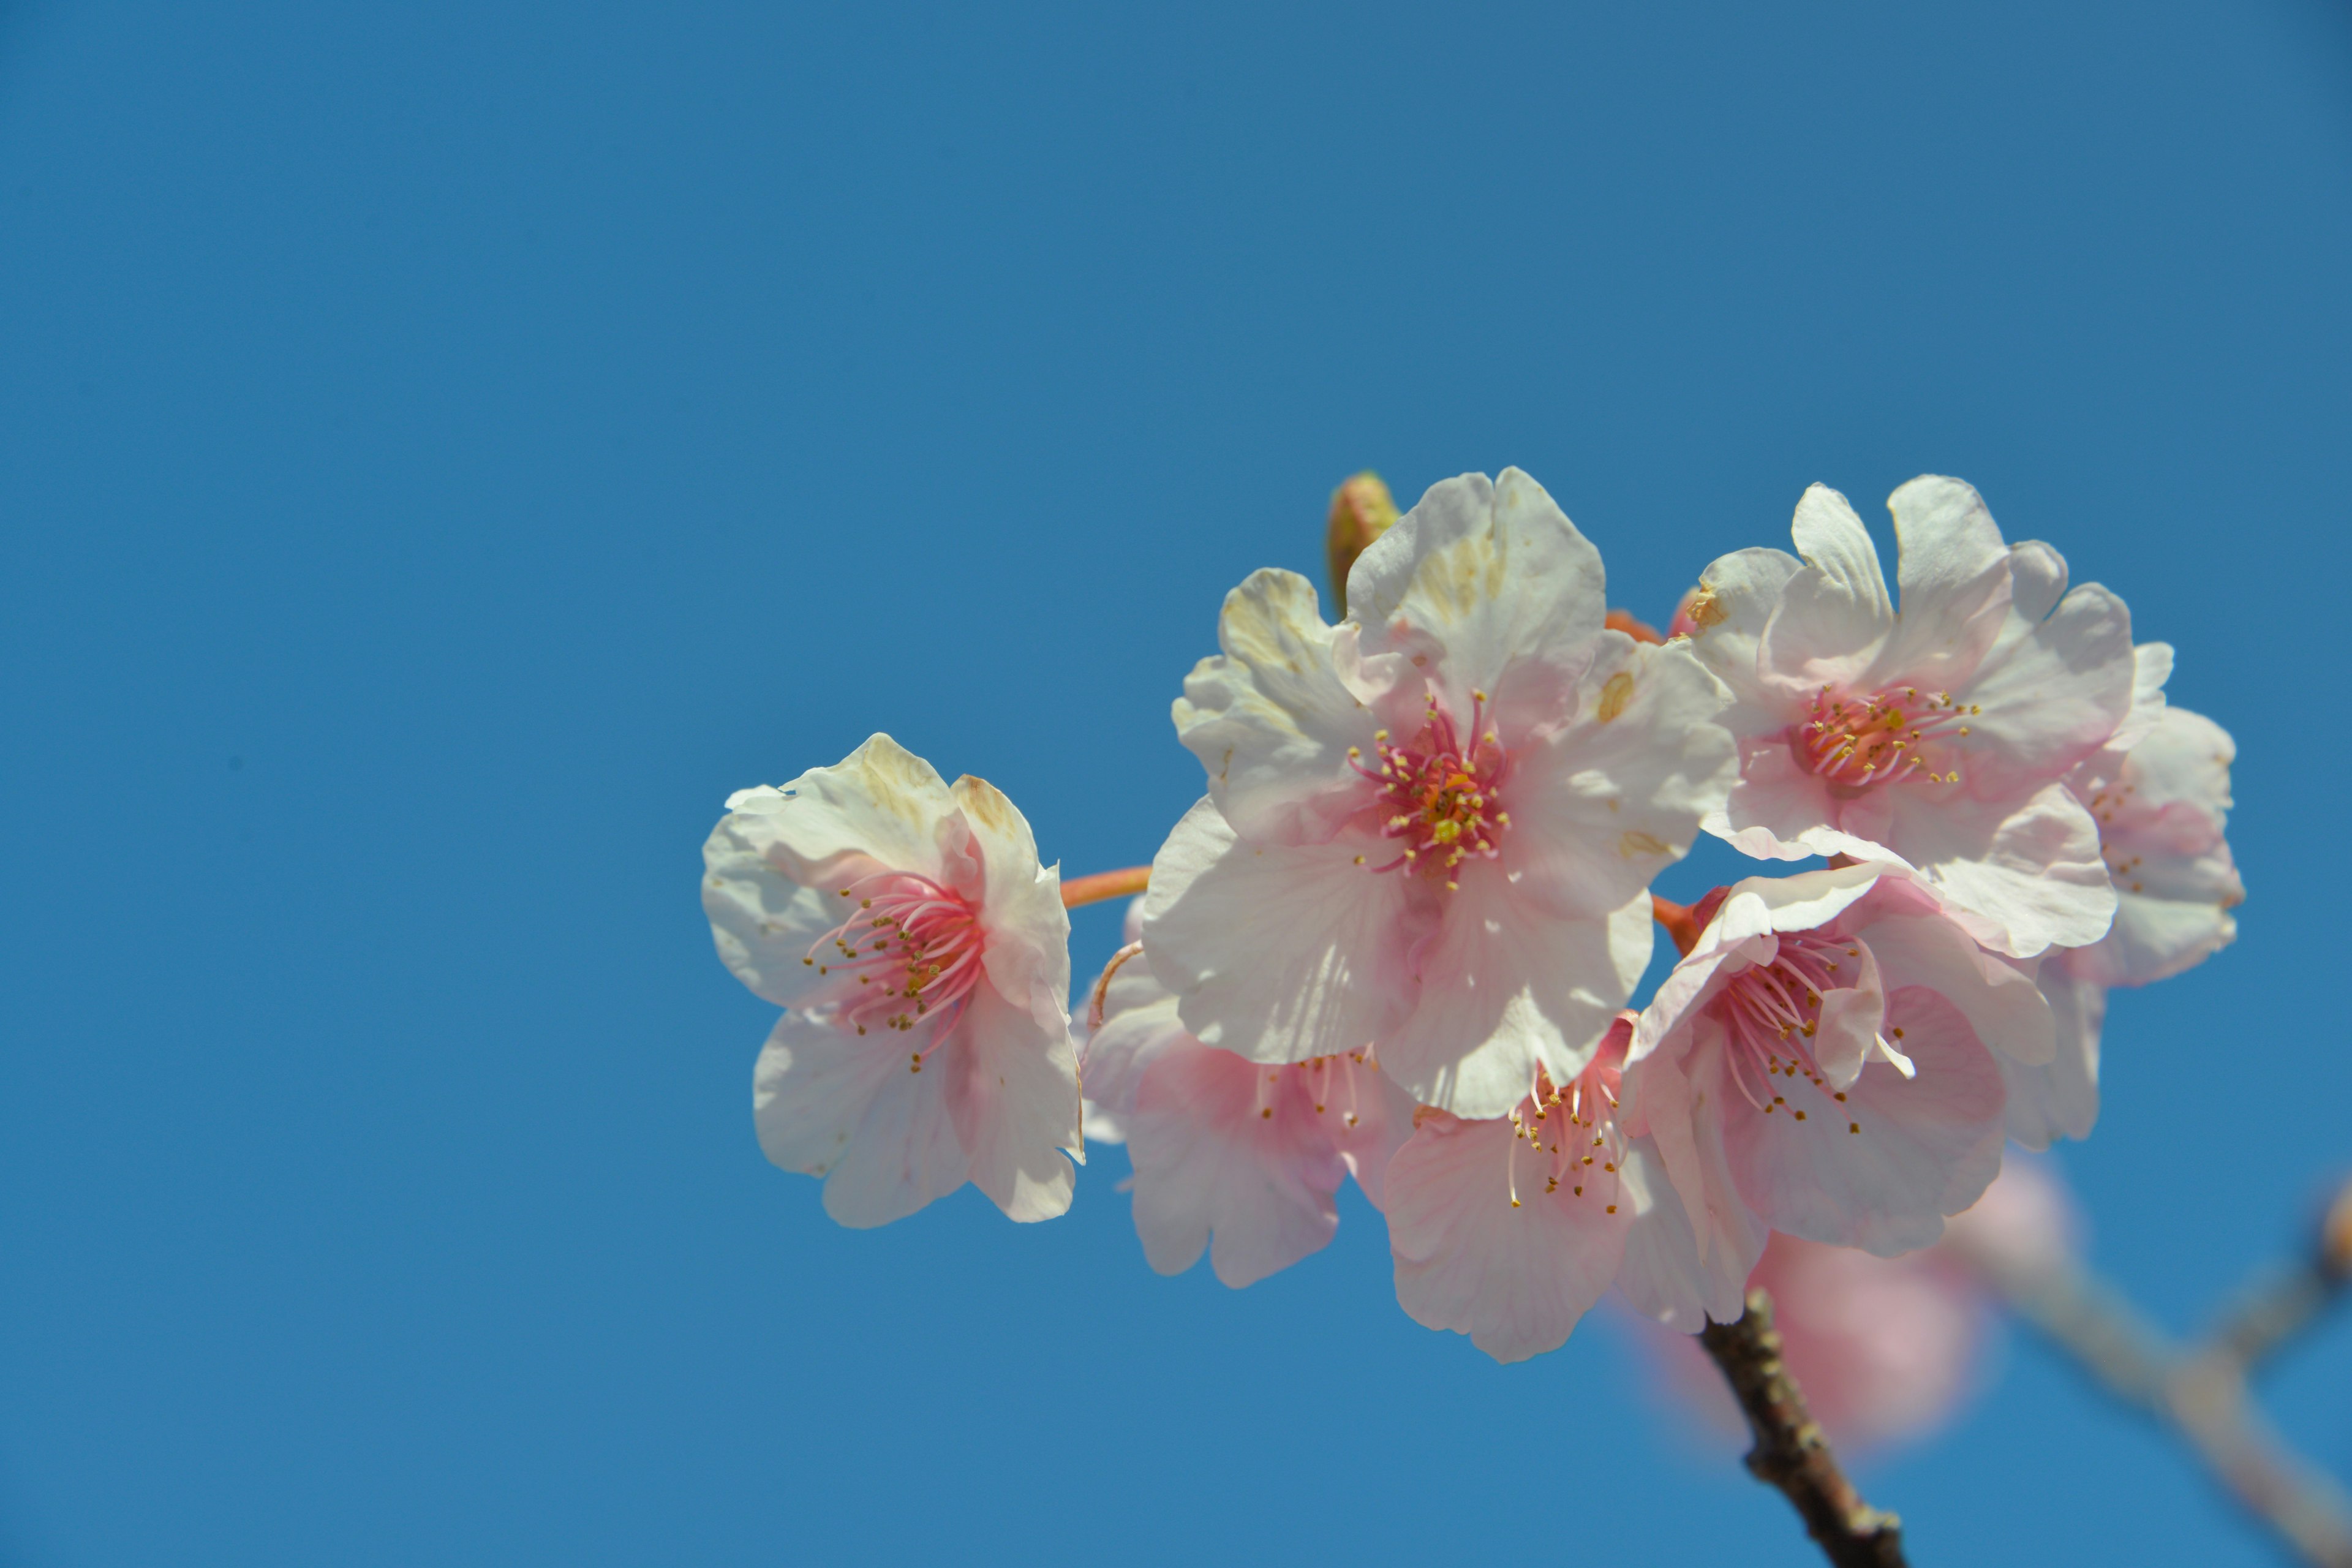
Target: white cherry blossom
{"x": 1941, "y": 736}
{"x": 923, "y": 954}
{"x": 1431, "y": 830}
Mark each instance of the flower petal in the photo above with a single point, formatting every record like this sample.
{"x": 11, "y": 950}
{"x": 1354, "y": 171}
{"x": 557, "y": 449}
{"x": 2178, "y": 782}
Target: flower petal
{"x": 1514, "y": 1277}
{"x": 1207, "y": 1162}
{"x": 1954, "y": 571}
{"x": 2045, "y": 700}
{"x": 1279, "y": 953}
{"x": 1738, "y": 594}
{"x": 845, "y": 1107}
{"x": 1833, "y": 618}
{"x": 1662, "y": 1276}
{"x": 1507, "y": 986}
{"x": 1881, "y": 1169}
{"x": 2060, "y": 1100}
{"x": 1999, "y": 1002}
{"x": 1027, "y": 954}
{"x": 1270, "y": 718}
{"x": 1603, "y": 803}
{"x": 1483, "y": 587}
{"x": 2018, "y": 879}
{"x": 763, "y": 922}
{"x": 1012, "y": 1081}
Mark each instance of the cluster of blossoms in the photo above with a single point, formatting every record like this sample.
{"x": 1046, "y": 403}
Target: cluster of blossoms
{"x": 1396, "y": 937}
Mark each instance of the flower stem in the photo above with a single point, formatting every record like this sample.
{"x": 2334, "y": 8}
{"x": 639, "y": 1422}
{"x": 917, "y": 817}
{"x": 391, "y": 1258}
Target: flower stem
{"x": 1677, "y": 920}
{"x": 1790, "y": 1452}
{"x": 1104, "y": 885}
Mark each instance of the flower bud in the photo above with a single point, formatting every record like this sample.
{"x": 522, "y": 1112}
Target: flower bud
{"x": 1361, "y": 511}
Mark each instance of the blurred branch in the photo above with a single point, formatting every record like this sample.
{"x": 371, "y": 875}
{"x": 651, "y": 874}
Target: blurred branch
{"x": 2199, "y": 1391}
{"x": 1790, "y": 1452}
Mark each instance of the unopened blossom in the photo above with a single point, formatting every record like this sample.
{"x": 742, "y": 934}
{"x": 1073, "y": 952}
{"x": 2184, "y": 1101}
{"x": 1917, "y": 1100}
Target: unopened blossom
{"x": 1822, "y": 1062}
{"x": 1942, "y": 736}
{"x": 923, "y": 954}
{"x": 2162, "y": 797}
{"x": 1509, "y": 1228}
{"x": 1239, "y": 1157}
{"x": 1430, "y": 829}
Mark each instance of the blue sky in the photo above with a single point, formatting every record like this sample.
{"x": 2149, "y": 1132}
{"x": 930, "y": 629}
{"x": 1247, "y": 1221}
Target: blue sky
{"x": 442, "y": 452}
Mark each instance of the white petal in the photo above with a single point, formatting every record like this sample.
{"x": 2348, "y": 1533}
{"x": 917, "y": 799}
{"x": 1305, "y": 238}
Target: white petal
{"x": 1013, "y": 1081}
{"x": 1926, "y": 1146}
{"x": 1280, "y": 954}
{"x": 1270, "y": 718}
{"x": 1506, "y": 986}
{"x": 1999, "y": 1002}
{"x": 1483, "y": 588}
{"x": 2045, "y": 700}
{"x": 1662, "y": 1276}
{"x": 1738, "y": 594}
{"x": 1603, "y": 803}
{"x": 881, "y": 803}
{"x": 2018, "y": 880}
{"x": 1140, "y": 1023}
{"x": 1834, "y": 616}
{"x": 1782, "y": 810}
{"x": 832, "y": 1103}
{"x": 763, "y": 922}
{"x": 2062, "y": 1099}
{"x": 2037, "y": 575}
{"x": 2151, "y": 667}
{"x": 1028, "y": 951}
{"x": 1207, "y": 1162}
{"x": 1954, "y": 571}
{"x": 1516, "y": 1280}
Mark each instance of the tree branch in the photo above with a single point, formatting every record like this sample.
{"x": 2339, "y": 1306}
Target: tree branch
{"x": 2199, "y": 1391}
{"x": 1791, "y": 1453}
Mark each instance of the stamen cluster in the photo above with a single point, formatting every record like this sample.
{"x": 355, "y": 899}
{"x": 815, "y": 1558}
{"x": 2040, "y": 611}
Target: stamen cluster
{"x": 1858, "y": 740}
{"x": 914, "y": 947}
{"x": 1442, "y": 797}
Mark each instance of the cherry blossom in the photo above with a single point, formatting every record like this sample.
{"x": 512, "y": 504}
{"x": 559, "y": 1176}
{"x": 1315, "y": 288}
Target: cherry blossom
{"x": 1235, "y": 1156}
{"x": 1819, "y": 1063}
{"x": 1942, "y": 736}
{"x": 1430, "y": 830}
{"x": 2162, "y": 802}
{"x": 923, "y": 954}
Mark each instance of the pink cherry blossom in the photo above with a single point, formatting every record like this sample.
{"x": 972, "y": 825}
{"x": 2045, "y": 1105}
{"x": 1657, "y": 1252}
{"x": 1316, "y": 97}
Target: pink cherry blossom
{"x": 923, "y": 954}
{"x": 1232, "y": 1155}
{"x": 1942, "y": 736}
{"x": 2161, "y": 796}
{"x": 1430, "y": 829}
{"x": 1509, "y": 1228}
{"x": 1819, "y": 1063}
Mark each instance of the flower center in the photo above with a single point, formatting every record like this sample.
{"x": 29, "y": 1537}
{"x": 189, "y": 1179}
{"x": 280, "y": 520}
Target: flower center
{"x": 1856, "y": 741}
{"x": 1571, "y": 1129}
{"x": 1771, "y": 1013}
{"x": 914, "y": 950}
{"x": 1440, "y": 795}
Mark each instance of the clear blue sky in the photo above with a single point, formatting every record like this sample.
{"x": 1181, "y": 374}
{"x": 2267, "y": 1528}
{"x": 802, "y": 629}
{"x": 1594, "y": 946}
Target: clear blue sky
{"x": 444, "y": 449}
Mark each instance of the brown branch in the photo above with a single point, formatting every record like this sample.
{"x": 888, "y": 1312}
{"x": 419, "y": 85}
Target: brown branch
{"x": 1790, "y": 1452}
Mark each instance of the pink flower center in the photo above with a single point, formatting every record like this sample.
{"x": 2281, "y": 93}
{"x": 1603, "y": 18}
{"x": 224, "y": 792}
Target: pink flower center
{"x": 1572, "y": 1129}
{"x": 913, "y": 948}
{"x": 1439, "y": 795}
{"x": 1856, "y": 741}
{"x": 1771, "y": 1013}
